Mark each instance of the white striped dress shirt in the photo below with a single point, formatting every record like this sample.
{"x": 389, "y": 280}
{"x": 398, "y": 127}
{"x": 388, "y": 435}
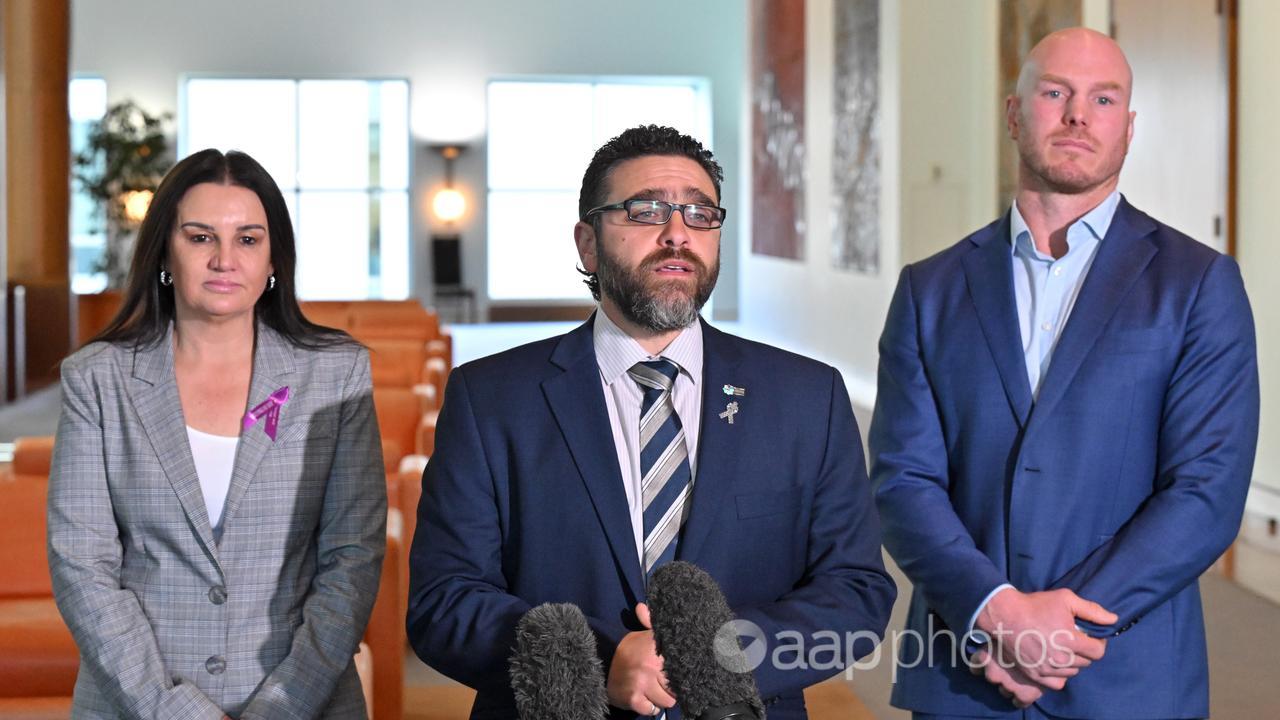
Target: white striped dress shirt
{"x": 616, "y": 352}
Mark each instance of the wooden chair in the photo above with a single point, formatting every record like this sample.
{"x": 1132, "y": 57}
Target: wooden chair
{"x": 393, "y": 320}
{"x": 330, "y": 313}
{"x": 38, "y": 657}
{"x": 385, "y": 634}
{"x": 400, "y": 414}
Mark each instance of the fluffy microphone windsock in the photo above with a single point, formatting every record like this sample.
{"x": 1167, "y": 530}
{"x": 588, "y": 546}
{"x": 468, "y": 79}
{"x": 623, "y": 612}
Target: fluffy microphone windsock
{"x": 702, "y": 658}
{"x": 555, "y": 671}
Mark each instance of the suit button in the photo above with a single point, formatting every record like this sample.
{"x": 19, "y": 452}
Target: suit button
{"x": 215, "y": 665}
{"x": 217, "y": 594}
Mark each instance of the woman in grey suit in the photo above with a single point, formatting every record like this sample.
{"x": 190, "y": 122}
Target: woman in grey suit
{"x": 217, "y": 502}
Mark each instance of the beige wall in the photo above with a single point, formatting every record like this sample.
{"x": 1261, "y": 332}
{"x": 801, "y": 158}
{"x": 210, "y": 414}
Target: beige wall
{"x": 1096, "y": 14}
{"x": 938, "y": 133}
{"x": 951, "y": 123}
{"x": 806, "y": 306}
{"x": 1259, "y": 222}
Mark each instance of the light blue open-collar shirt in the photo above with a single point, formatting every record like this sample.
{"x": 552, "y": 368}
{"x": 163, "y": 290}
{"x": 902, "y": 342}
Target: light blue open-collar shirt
{"x": 1046, "y": 290}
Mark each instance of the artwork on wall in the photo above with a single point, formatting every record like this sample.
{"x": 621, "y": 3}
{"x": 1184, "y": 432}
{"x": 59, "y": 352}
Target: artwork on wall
{"x": 1023, "y": 23}
{"x": 855, "y": 165}
{"x": 777, "y": 135}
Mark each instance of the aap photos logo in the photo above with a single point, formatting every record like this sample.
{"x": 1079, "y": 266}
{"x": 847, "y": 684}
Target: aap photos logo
{"x": 740, "y": 646}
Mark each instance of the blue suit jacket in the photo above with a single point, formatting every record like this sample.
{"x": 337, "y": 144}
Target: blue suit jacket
{"x": 1124, "y": 481}
{"x": 523, "y": 503}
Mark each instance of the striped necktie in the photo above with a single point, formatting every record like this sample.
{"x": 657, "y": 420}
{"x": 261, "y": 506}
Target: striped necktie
{"x": 664, "y": 462}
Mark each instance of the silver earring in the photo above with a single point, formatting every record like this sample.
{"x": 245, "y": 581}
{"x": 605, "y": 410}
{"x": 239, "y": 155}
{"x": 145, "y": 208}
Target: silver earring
{"x": 166, "y": 279}
{"x": 271, "y": 282}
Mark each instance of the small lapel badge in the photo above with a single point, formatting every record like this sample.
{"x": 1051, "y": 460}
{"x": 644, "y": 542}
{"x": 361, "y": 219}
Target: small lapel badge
{"x": 734, "y": 391}
{"x": 729, "y": 411}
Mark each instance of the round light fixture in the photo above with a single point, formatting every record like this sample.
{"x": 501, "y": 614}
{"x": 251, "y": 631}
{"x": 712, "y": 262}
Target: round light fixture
{"x": 448, "y": 205}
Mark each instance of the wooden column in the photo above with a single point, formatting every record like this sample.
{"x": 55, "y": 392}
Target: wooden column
{"x": 37, "y": 40}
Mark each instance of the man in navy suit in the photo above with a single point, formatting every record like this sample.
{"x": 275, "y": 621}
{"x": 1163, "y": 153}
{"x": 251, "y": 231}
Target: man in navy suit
{"x": 567, "y": 470}
{"x": 1065, "y": 429}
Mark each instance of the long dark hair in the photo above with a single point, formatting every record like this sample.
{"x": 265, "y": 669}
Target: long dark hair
{"x": 148, "y": 307}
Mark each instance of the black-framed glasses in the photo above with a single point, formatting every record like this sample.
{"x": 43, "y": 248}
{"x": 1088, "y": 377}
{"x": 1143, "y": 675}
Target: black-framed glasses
{"x": 658, "y": 212}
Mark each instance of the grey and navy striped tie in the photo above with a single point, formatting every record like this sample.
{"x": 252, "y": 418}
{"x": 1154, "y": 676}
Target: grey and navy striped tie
{"x": 664, "y": 462}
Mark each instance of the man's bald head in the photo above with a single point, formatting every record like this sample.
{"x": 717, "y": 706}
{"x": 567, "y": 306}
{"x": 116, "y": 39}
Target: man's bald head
{"x": 1070, "y": 114}
{"x": 1076, "y": 43}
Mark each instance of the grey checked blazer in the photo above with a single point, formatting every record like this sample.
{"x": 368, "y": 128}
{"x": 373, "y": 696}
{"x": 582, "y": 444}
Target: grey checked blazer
{"x": 260, "y": 624}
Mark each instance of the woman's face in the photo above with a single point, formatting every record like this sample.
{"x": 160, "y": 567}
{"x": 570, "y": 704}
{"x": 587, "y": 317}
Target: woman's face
{"x": 219, "y": 252}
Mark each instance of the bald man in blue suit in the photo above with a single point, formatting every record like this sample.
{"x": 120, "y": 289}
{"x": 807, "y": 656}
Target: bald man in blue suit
{"x": 1065, "y": 429}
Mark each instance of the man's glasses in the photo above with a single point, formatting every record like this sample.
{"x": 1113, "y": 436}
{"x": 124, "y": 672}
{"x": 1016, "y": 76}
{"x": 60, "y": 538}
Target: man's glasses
{"x": 657, "y": 212}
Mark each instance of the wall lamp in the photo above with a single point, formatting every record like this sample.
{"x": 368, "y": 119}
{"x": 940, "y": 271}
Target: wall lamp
{"x": 448, "y": 204}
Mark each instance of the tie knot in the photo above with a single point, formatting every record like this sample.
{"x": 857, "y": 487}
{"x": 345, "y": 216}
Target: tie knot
{"x": 658, "y": 374}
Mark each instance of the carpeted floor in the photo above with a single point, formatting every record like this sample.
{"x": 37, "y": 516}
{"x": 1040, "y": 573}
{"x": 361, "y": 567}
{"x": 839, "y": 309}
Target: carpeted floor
{"x": 36, "y": 414}
{"x": 832, "y": 700}
{"x": 1244, "y": 651}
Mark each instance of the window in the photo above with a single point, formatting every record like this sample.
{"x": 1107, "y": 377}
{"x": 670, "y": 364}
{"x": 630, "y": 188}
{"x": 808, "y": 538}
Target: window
{"x": 542, "y": 134}
{"x": 87, "y": 102}
{"x": 339, "y": 149}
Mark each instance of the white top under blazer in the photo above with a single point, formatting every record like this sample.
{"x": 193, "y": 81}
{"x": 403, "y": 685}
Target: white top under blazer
{"x": 215, "y": 457}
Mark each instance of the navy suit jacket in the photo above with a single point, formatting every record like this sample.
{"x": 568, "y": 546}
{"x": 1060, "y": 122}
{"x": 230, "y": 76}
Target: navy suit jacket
{"x": 523, "y": 503}
{"x": 1123, "y": 481}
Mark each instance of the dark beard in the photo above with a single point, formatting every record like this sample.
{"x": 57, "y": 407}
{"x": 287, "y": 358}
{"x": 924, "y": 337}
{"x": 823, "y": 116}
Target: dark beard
{"x": 655, "y": 305}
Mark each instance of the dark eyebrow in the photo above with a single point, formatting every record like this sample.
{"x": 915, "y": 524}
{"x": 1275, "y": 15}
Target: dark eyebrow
{"x": 209, "y": 228}
{"x": 699, "y": 197}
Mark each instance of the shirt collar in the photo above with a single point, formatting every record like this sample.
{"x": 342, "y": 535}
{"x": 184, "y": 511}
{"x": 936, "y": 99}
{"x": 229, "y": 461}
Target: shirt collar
{"x": 616, "y": 351}
{"x": 1097, "y": 221}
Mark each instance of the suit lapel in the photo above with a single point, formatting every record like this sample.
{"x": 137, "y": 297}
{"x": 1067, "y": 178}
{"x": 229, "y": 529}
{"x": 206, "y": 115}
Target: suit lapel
{"x": 154, "y": 394}
{"x": 718, "y": 441}
{"x": 989, "y": 275}
{"x": 273, "y": 367}
{"x": 577, "y": 401}
{"x": 1121, "y": 258}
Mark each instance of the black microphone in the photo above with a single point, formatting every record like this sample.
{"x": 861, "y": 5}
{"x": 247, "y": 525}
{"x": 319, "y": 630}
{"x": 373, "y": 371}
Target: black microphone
{"x": 702, "y": 658}
{"x": 555, "y": 671}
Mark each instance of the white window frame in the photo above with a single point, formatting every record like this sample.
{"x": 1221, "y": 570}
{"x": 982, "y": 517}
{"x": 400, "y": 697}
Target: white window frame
{"x": 574, "y": 292}
{"x": 402, "y": 286}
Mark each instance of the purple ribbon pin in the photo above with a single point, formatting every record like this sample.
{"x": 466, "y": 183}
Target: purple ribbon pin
{"x": 270, "y": 409}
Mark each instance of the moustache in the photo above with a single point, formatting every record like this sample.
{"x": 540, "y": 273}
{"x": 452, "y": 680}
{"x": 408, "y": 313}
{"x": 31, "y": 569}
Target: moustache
{"x": 662, "y": 256}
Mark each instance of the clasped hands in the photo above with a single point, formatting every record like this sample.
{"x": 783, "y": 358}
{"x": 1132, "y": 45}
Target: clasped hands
{"x": 1035, "y": 643}
{"x": 1035, "y": 646}
{"x": 636, "y": 681}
